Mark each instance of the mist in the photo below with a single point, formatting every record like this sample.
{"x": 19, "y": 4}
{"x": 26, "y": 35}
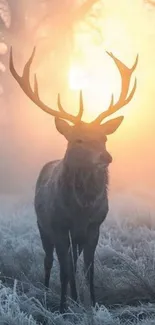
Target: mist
{"x": 74, "y": 36}
{"x": 28, "y": 136}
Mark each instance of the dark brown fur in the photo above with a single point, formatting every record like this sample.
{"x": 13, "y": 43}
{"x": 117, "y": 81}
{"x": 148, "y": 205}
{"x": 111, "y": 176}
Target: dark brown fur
{"x": 71, "y": 198}
{"x": 71, "y": 202}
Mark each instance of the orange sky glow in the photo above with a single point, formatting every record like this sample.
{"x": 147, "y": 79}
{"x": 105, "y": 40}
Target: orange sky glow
{"x": 125, "y": 30}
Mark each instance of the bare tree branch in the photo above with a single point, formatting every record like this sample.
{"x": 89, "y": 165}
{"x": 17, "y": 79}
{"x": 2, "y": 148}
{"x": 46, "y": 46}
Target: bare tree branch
{"x": 5, "y": 14}
{"x": 65, "y": 27}
{"x": 83, "y": 10}
{"x": 78, "y": 15}
{"x": 151, "y": 2}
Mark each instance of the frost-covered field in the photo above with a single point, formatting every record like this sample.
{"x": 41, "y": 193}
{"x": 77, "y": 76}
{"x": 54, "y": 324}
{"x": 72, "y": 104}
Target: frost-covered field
{"x": 124, "y": 270}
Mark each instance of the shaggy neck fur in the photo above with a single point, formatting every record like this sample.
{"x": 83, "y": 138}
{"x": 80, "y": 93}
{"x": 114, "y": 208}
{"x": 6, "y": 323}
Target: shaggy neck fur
{"x": 84, "y": 185}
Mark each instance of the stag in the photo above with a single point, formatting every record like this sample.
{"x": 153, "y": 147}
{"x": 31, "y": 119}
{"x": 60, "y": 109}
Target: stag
{"x": 71, "y": 197}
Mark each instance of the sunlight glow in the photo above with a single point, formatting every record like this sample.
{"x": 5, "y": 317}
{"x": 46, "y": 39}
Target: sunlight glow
{"x": 94, "y": 70}
{"x": 99, "y": 78}
{"x": 66, "y": 62}
{"x": 77, "y": 78}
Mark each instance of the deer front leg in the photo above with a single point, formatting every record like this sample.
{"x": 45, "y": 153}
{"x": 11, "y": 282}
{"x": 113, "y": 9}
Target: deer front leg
{"x": 89, "y": 251}
{"x": 48, "y": 247}
{"x": 72, "y": 270}
{"x": 62, "y": 247}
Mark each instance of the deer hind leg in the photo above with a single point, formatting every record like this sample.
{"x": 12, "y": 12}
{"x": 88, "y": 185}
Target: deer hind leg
{"x": 48, "y": 262}
{"x": 89, "y": 251}
{"x": 48, "y": 247}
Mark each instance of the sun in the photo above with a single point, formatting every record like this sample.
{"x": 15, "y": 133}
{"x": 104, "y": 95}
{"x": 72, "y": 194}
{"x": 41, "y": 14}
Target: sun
{"x": 98, "y": 79}
{"x": 94, "y": 72}
{"x": 78, "y": 78}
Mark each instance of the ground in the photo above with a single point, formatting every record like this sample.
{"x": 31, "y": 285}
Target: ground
{"x": 124, "y": 271}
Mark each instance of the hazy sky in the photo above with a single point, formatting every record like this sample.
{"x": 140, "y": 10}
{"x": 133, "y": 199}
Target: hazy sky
{"x": 28, "y": 136}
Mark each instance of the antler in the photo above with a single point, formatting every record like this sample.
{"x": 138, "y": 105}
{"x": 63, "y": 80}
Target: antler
{"x": 126, "y": 74}
{"x": 24, "y": 83}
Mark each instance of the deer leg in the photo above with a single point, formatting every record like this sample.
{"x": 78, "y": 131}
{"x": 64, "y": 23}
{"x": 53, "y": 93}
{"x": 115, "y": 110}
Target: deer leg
{"x": 89, "y": 251}
{"x": 62, "y": 247}
{"x": 48, "y": 247}
{"x": 72, "y": 270}
{"x": 48, "y": 262}
{"x": 73, "y": 265}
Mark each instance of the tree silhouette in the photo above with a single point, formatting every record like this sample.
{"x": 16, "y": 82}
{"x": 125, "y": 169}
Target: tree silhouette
{"x": 5, "y": 22}
{"x": 47, "y": 24}
{"x": 151, "y": 2}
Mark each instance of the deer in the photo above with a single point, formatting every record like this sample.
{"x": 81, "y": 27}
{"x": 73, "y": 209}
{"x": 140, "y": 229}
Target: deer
{"x": 71, "y": 195}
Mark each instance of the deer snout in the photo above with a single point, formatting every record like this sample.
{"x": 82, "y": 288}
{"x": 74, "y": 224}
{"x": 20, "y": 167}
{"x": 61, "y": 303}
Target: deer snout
{"x": 105, "y": 158}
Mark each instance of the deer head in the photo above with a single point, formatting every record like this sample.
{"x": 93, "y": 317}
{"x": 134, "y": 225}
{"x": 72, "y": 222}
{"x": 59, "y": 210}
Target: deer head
{"x": 86, "y": 141}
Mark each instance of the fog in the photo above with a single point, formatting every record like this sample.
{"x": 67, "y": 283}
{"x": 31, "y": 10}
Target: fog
{"x": 72, "y": 35}
{"x": 28, "y": 138}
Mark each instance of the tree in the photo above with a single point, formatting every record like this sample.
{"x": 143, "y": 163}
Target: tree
{"x": 151, "y": 2}
{"x": 54, "y": 33}
{"x": 50, "y": 26}
{"x": 47, "y": 24}
{"x": 5, "y": 22}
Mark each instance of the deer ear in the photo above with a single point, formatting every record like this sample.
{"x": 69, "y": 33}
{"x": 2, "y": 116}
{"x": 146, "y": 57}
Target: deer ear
{"x": 111, "y": 126}
{"x": 63, "y": 127}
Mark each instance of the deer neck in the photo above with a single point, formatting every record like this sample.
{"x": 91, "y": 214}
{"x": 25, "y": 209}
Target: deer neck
{"x": 85, "y": 185}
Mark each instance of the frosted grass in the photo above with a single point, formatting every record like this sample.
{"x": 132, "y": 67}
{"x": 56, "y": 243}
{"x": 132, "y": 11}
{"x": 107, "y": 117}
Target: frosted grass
{"x": 124, "y": 272}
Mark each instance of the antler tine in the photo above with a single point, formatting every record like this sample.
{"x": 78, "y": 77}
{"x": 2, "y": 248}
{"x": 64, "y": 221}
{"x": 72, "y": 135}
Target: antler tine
{"x": 112, "y": 101}
{"x": 36, "y": 91}
{"x": 11, "y": 66}
{"x": 80, "y": 113}
{"x": 61, "y": 109}
{"x": 81, "y": 109}
{"x": 123, "y": 100}
{"x": 24, "y": 83}
{"x": 135, "y": 64}
{"x": 26, "y": 70}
